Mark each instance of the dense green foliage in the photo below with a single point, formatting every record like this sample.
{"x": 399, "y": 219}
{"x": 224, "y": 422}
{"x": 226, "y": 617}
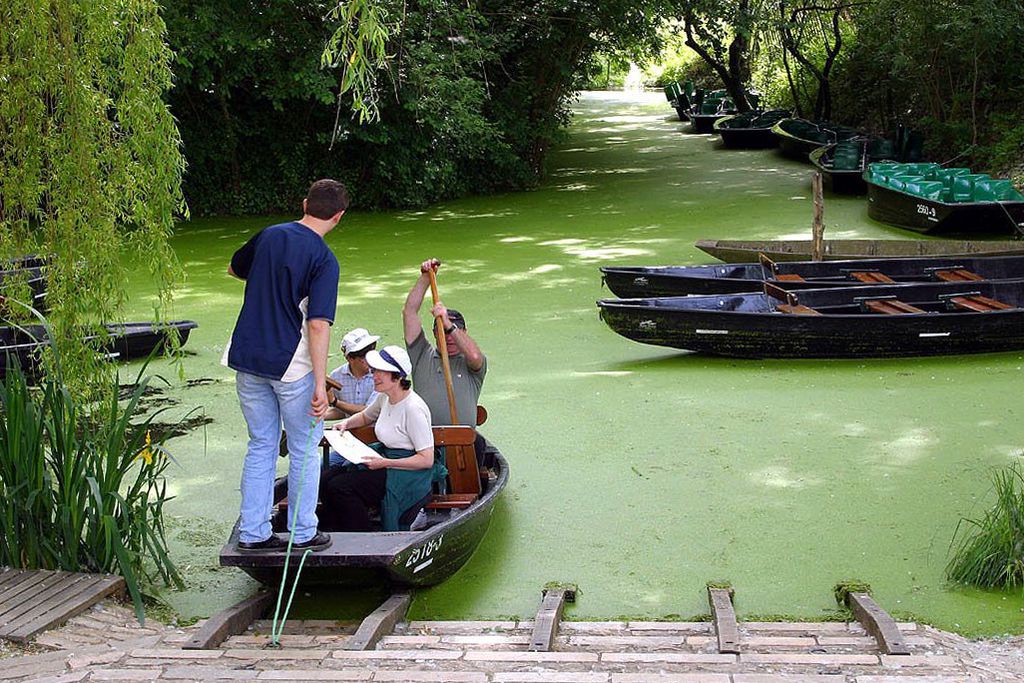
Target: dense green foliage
{"x": 83, "y": 487}
{"x": 471, "y": 99}
{"x": 989, "y": 552}
{"x": 938, "y": 66}
{"x": 946, "y": 68}
{"x": 90, "y": 166}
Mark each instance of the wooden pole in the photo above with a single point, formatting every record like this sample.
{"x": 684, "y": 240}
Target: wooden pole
{"x": 818, "y": 226}
{"x": 442, "y": 348}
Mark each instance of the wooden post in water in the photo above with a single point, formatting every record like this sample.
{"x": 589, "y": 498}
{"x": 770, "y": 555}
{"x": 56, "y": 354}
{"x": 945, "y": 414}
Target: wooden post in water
{"x": 818, "y": 226}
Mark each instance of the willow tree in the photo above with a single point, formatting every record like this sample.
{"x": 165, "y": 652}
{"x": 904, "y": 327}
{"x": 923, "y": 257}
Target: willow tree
{"x": 90, "y": 159}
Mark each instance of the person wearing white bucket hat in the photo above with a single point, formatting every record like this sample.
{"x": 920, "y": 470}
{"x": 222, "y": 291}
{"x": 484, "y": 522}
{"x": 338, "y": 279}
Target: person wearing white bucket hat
{"x": 355, "y": 377}
{"x": 399, "y": 480}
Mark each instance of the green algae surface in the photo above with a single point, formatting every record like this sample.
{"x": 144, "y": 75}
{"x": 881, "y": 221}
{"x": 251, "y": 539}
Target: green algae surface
{"x": 638, "y": 473}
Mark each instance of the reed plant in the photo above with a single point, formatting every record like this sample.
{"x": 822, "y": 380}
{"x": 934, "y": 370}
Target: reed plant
{"x": 82, "y": 485}
{"x": 989, "y": 551}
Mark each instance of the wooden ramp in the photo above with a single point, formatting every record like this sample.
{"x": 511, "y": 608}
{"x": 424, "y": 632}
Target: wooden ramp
{"x": 32, "y": 601}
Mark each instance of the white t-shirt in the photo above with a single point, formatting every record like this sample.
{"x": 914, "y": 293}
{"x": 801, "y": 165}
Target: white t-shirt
{"x": 405, "y": 424}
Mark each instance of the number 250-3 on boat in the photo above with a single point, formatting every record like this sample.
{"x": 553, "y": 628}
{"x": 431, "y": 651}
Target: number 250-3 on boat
{"x": 932, "y": 199}
{"x": 852, "y": 322}
{"x": 455, "y": 524}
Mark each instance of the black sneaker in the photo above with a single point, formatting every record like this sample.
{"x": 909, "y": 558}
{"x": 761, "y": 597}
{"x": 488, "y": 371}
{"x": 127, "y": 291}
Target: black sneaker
{"x": 275, "y": 542}
{"x": 318, "y": 542}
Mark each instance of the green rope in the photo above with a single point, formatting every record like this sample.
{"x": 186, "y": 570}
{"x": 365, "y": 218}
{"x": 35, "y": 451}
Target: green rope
{"x": 275, "y": 632}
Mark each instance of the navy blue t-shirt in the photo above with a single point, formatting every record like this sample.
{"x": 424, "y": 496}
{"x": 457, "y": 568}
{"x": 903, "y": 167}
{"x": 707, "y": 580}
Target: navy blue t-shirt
{"x": 282, "y": 266}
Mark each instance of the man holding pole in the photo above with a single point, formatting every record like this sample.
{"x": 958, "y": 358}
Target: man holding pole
{"x": 467, "y": 363}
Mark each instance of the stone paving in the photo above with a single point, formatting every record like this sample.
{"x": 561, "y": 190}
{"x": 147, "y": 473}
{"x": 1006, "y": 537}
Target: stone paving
{"x": 106, "y": 644}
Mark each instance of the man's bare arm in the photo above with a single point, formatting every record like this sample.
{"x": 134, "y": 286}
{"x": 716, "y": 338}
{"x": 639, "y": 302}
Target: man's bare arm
{"x": 468, "y": 346}
{"x": 319, "y": 343}
{"x": 413, "y": 302}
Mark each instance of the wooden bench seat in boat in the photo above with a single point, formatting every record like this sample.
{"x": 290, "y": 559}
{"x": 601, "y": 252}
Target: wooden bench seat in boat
{"x": 978, "y": 303}
{"x": 788, "y": 277}
{"x": 956, "y": 275}
{"x": 889, "y": 307}
{"x": 796, "y": 309}
{"x": 871, "y": 276}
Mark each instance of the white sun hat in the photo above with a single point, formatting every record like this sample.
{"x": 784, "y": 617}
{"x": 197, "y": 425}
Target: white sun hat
{"x": 390, "y": 359}
{"x": 357, "y": 340}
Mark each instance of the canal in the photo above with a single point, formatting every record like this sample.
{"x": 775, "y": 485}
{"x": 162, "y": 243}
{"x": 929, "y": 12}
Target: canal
{"x": 639, "y": 473}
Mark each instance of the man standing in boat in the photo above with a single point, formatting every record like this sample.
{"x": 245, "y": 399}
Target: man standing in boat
{"x": 468, "y": 363}
{"x": 279, "y": 352}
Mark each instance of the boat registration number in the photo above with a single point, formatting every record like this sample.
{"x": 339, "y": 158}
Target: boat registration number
{"x": 424, "y": 553}
{"x": 926, "y": 210}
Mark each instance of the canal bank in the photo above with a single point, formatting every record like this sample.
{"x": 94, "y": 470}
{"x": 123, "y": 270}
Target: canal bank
{"x": 637, "y": 473}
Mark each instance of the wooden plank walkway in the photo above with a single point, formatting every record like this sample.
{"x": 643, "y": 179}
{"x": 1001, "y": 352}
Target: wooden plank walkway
{"x": 32, "y": 601}
{"x": 105, "y": 644}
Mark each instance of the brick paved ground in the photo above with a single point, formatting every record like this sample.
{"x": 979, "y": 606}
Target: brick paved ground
{"x": 106, "y": 644}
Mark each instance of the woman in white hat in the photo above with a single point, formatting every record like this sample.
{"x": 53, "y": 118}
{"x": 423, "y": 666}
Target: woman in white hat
{"x": 399, "y": 480}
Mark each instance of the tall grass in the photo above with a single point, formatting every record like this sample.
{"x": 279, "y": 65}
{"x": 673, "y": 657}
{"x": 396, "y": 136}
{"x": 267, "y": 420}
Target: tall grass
{"x": 82, "y": 488}
{"x": 989, "y": 552}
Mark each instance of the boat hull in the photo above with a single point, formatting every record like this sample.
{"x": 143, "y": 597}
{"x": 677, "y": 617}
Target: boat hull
{"x": 704, "y": 123}
{"x": 743, "y": 251}
{"x": 747, "y": 138}
{"x": 124, "y": 341}
{"x": 911, "y": 212}
{"x": 753, "y": 330}
{"x": 837, "y": 182}
{"x": 422, "y": 558}
{"x": 633, "y": 282}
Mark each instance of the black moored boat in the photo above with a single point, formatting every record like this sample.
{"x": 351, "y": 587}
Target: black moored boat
{"x": 646, "y": 281}
{"x": 931, "y": 199}
{"x": 745, "y": 251}
{"x": 750, "y": 130}
{"x": 123, "y": 341}
{"x": 412, "y": 558}
{"x": 799, "y": 137}
{"x": 851, "y": 322}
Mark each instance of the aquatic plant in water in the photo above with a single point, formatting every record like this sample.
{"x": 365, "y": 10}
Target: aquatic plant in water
{"x": 989, "y": 552}
{"x": 82, "y": 485}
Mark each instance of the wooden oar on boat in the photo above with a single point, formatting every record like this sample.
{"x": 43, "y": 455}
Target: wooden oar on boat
{"x": 442, "y": 347}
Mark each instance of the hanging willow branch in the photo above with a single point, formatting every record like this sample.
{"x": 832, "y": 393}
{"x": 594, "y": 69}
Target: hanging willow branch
{"x": 359, "y": 46}
{"x": 90, "y": 157}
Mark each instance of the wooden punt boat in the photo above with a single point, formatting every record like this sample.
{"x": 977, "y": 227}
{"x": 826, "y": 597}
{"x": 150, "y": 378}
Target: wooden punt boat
{"x": 799, "y": 137}
{"x": 842, "y": 164}
{"x": 745, "y": 251}
{"x": 32, "y": 273}
{"x": 646, "y": 281}
{"x": 851, "y": 322}
{"x": 123, "y": 341}
{"x": 132, "y": 341}
{"x": 750, "y": 130}
{"x": 412, "y": 558}
{"x": 708, "y": 107}
{"x": 930, "y": 199}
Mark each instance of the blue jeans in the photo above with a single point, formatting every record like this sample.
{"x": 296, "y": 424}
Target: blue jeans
{"x": 266, "y": 405}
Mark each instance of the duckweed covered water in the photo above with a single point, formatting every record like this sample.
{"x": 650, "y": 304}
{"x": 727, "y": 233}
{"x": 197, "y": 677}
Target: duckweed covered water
{"x": 638, "y": 472}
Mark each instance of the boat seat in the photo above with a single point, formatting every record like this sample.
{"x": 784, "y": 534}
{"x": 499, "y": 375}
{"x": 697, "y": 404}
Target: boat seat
{"x": 451, "y": 501}
{"x": 978, "y": 303}
{"x": 889, "y": 307}
{"x": 957, "y": 275}
{"x": 870, "y": 276}
{"x": 788, "y": 277}
{"x": 796, "y": 309}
